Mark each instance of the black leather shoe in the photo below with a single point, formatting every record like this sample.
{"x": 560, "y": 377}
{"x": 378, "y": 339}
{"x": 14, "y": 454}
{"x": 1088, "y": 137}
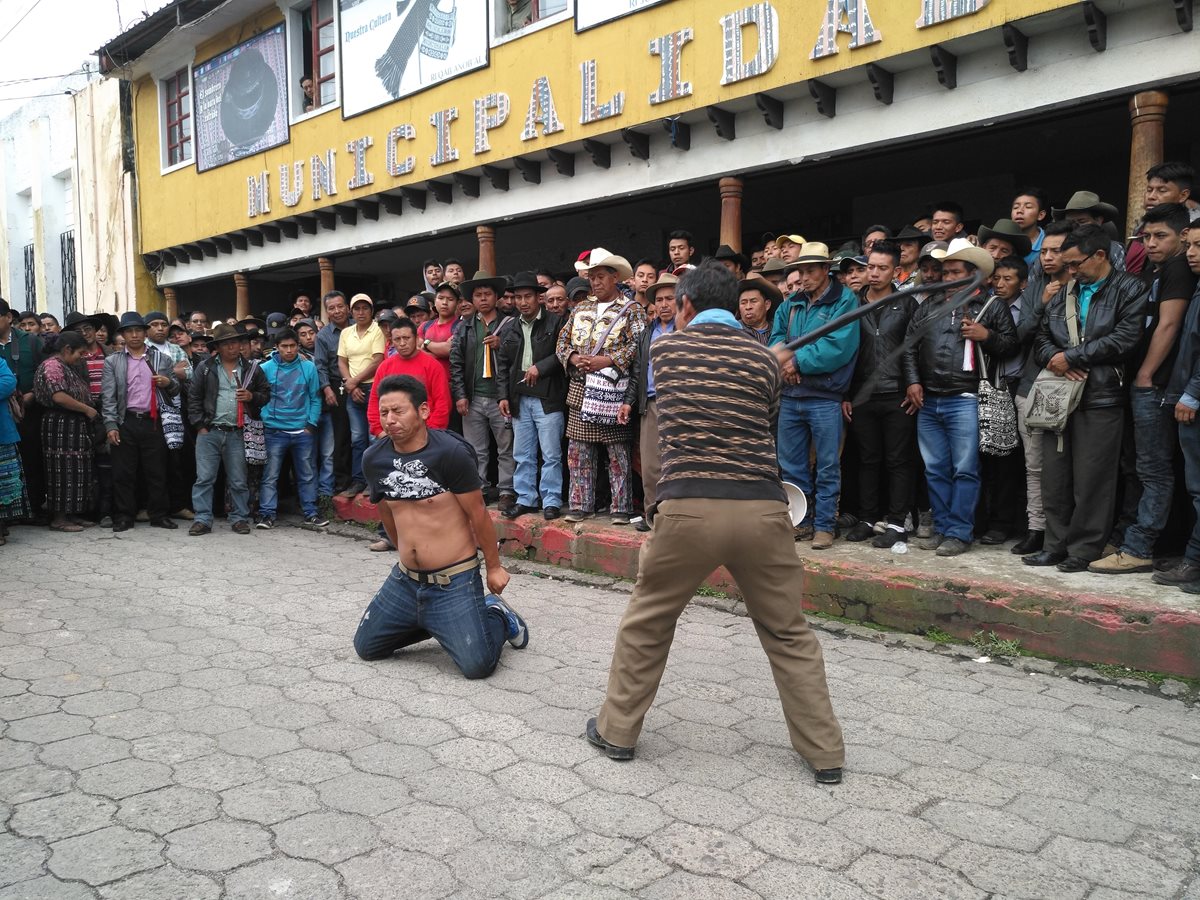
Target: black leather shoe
{"x": 1044, "y": 558}
{"x": 163, "y": 523}
{"x": 1032, "y": 543}
{"x": 550, "y": 513}
{"x": 122, "y": 525}
{"x": 517, "y": 509}
{"x": 994, "y": 536}
{"x": 506, "y": 502}
{"x": 1073, "y": 564}
{"x": 829, "y": 776}
{"x": 863, "y": 531}
{"x": 1184, "y": 573}
{"x": 612, "y": 751}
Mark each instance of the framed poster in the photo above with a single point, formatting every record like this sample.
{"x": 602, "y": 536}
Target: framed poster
{"x": 395, "y": 48}
{"x": 590, "y": 13}
{"x": 241, "y": 100}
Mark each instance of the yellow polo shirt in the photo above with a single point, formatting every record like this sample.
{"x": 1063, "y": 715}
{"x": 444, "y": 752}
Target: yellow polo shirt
{"x": 359, "y": 351}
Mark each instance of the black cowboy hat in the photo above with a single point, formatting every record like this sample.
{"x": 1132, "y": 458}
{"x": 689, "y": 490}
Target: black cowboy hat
{"x": 131, "y": 319}
{"x": 727, "y": 252}
{"x": 527, "y": 281}
{"x": 909, "y": 233}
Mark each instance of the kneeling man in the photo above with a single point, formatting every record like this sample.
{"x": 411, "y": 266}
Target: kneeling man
{"x": 430, "y": 499}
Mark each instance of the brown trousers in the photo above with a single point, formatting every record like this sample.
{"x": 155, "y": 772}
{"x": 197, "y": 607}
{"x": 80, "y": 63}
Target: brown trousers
{"x": 648, "y": 450}
{"x": 753, "y": 539}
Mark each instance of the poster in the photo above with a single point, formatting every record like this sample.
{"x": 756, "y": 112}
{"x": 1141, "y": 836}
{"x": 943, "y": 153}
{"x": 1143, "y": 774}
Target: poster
{"x": 394, "y": 48}
{"x": 241, "y": 100}
{"x": 589, "y": 13}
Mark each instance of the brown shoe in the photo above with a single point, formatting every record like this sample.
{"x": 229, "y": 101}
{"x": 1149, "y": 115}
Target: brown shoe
{"x": 199, "y": 528}
{"x": 380, "y": 546}
{"x": 1121, "y": 564}
{"x": 802, "y": 532}
{"x": 822, "y": 540}
{"x": 351, "y": 492}
{"x": 240, "y": 527}
{"x": 185, "y": 514}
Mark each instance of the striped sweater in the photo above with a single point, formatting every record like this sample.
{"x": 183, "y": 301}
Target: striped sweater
{"x": 717, "y": 391}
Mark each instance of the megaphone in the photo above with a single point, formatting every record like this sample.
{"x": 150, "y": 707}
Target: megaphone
{"x": 797, "y": 504}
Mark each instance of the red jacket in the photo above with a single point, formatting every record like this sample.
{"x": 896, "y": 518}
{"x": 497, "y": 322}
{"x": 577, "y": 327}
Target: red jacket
{"x": 427, "y": 370}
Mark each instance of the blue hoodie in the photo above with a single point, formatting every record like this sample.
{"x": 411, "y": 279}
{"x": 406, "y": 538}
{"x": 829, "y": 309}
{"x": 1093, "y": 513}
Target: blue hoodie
{"x": 825, "y": 366}
{"x": 295, "y": 395}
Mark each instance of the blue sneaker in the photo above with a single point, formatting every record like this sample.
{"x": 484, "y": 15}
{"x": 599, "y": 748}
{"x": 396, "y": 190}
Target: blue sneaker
{"x": 518, "y": 633}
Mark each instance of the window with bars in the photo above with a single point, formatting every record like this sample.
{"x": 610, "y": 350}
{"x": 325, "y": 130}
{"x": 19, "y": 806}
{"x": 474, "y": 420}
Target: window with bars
{"x": 66, "y": 243}
{"x": 30, "y": 283}
{"x": 177, "y": 117}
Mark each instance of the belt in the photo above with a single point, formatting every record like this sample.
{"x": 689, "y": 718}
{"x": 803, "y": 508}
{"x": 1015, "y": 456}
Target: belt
{"x": 439, "y": 576}
{"x": 225, "y": 427}
{"x": 133, "y": 414}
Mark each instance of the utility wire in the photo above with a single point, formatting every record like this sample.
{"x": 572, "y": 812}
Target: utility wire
{"x": 24, "y": 15}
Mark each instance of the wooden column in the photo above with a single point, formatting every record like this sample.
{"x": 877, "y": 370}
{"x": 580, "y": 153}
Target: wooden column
{"x": 731, "y": 212}
{"x": 242, "y": 285}
{"x": 171, "y": 302}
{"x": 325, "y": 265}
{"x": 486, "y": 235}
{"x": 1147, "y": 113}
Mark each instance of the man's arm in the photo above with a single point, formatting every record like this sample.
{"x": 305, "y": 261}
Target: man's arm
{"x": 385, "y": 518}
{"x": 485, "y": 538}
{"x": 438, "y": 387}
{"x": 1170, "y": 320}
{"x": 1115, "y": 346}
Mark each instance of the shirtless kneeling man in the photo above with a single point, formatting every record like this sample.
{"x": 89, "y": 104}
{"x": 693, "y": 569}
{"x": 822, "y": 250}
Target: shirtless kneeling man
{"x": 427, "y": 486}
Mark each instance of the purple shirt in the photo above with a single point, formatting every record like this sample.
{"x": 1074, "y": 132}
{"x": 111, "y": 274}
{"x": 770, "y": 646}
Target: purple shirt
{"x": 138, "y": 383}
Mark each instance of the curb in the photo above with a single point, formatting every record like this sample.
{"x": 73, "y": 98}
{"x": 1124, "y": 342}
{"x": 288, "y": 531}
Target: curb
{"x": 1088, "y": 628}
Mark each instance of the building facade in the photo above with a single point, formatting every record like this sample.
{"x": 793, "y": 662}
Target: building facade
{"x": 308, "y": 142}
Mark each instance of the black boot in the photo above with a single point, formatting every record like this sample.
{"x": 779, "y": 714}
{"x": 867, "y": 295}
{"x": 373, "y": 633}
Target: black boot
{"x": 1033, "y": 542}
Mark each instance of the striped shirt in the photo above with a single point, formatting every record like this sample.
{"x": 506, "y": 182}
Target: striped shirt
{"x": 717, "y": 391}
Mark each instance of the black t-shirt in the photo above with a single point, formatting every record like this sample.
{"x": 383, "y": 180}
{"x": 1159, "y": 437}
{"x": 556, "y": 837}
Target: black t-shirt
{"x": 1170, "y": 280}
{"x": 445, "y": 464}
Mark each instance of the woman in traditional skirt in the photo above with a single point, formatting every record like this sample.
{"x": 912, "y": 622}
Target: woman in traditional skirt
{"x": 14, "y": 502}
{"x": 66, "y": 432}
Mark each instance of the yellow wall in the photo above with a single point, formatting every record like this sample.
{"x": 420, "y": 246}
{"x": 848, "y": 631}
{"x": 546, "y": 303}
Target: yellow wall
{"x": 184, "y": 205}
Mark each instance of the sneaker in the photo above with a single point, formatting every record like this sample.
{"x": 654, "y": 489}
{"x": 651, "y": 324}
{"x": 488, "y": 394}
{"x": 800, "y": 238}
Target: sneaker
{"x": 266, "y": 523}
{"x": 932, "y": 542}
{"x": 860, "y": 532}
{"x": 620, "y": 518}
{"x": 640, "y": 524}
{"x": 142, "y": 516}
{"x": 518, "y": 632}
{"x": 888, "y": 538}
{"x": 953, "y": 547}
{"x": 845, "y": 522}
{"x": 925, "y": 524}
{"x": 106, "y": 522}
{"x": 880, "y": 527}
{"x": 1121, "y": 563}
{"x": 316, "y": 521}
{"x": 577, "y": 515}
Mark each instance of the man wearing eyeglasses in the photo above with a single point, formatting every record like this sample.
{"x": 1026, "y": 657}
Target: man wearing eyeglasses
{"x": 1079, "y": 474}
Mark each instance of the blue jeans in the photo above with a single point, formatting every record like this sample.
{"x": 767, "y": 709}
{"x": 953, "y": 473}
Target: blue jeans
{"x": 1189, "y": 443}
{"x": 817, "y": 424}
{"x": 948, "y": 434}
{"x": 405, "y": 612}
{"x": 1154, "y": 444}
{"x": 279, "y": 444}
{"x": 212, "y": 450}
{"x": 322, "y": 455}
{"x": 360, "y": 433}
{"x": 534, "y": 428}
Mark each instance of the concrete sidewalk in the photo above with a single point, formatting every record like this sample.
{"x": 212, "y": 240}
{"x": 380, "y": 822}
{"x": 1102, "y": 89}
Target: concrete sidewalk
{"x": 1122, "y": 620}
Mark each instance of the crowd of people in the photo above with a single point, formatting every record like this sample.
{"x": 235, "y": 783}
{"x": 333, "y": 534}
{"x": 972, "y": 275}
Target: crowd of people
{"x": 1048, "y": 397}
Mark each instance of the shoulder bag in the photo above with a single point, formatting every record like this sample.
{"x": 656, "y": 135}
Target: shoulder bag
{"x": 604, "y": 391}
{"x": 1053, "y": 397}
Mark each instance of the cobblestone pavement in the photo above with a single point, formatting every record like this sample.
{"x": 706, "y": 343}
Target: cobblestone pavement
{"x": 184, "y": 718}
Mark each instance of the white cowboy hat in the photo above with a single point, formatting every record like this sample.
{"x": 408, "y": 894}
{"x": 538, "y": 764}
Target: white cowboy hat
{"x": 602, "y": 257}
{"x": 962, "y": 249}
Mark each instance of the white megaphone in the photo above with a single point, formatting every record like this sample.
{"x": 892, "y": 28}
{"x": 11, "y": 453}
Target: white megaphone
{"x": 797, "y": 505}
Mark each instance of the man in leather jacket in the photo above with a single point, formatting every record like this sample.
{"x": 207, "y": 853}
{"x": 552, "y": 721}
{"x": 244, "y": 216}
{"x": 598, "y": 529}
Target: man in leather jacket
{"x": 882, "y": 423}
{"x": 1079, "y": 473}
{"x": 942, "y": 369}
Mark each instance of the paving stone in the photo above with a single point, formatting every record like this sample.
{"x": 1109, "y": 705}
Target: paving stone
{"x": 473, "y": 755}
{"x": 539, "y": 824}
{"x": 31, "y": 782}
{"x": 168, "y": 809}
{"x": 105, "y": 855}
{"x": 984, "y": 825}
{"x": 425, "y": 828}
{"x": 615, "y": 815}
{"x": 16, "y": 754}
{"x": 124, "y": 778}
{"x": 84, "y": 751}
{"x": 218, "y": 771}
{"x": 702, "y": 805}
{"x": 525, "y": 781}
{"x": 307, "y": 766}
{"x": 54, "y": 726}
{"x": 527, "y": 872}
{"x": 326, "y": 837}
{"x": 1115, "y": 867}
{"x": 268, "y": 801}
{"x": 892, "y": 832}
{"x": 1017, "y": 875}
{"x": 131, "y": 724}
{"x": 376, "y": 874}
{"x": 361, "y": 792}
{"x": 287, "y": 879}
{"x": 62, "y": 816}
{"x": 46, "y": 888}
{"x": 171, "y": 748}
{"x": 100, "y": 703}
{"x": 705, "y": 851}
{"x": 696, "y": 887}
{"x": 777, "y": 878}
{"x": 257, "y": 741}
{"x": 910, "y": 879}
{"x": 218, "y": 846}
{"x": 1068, "y": 818}
{"x": 20, "y": 858}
